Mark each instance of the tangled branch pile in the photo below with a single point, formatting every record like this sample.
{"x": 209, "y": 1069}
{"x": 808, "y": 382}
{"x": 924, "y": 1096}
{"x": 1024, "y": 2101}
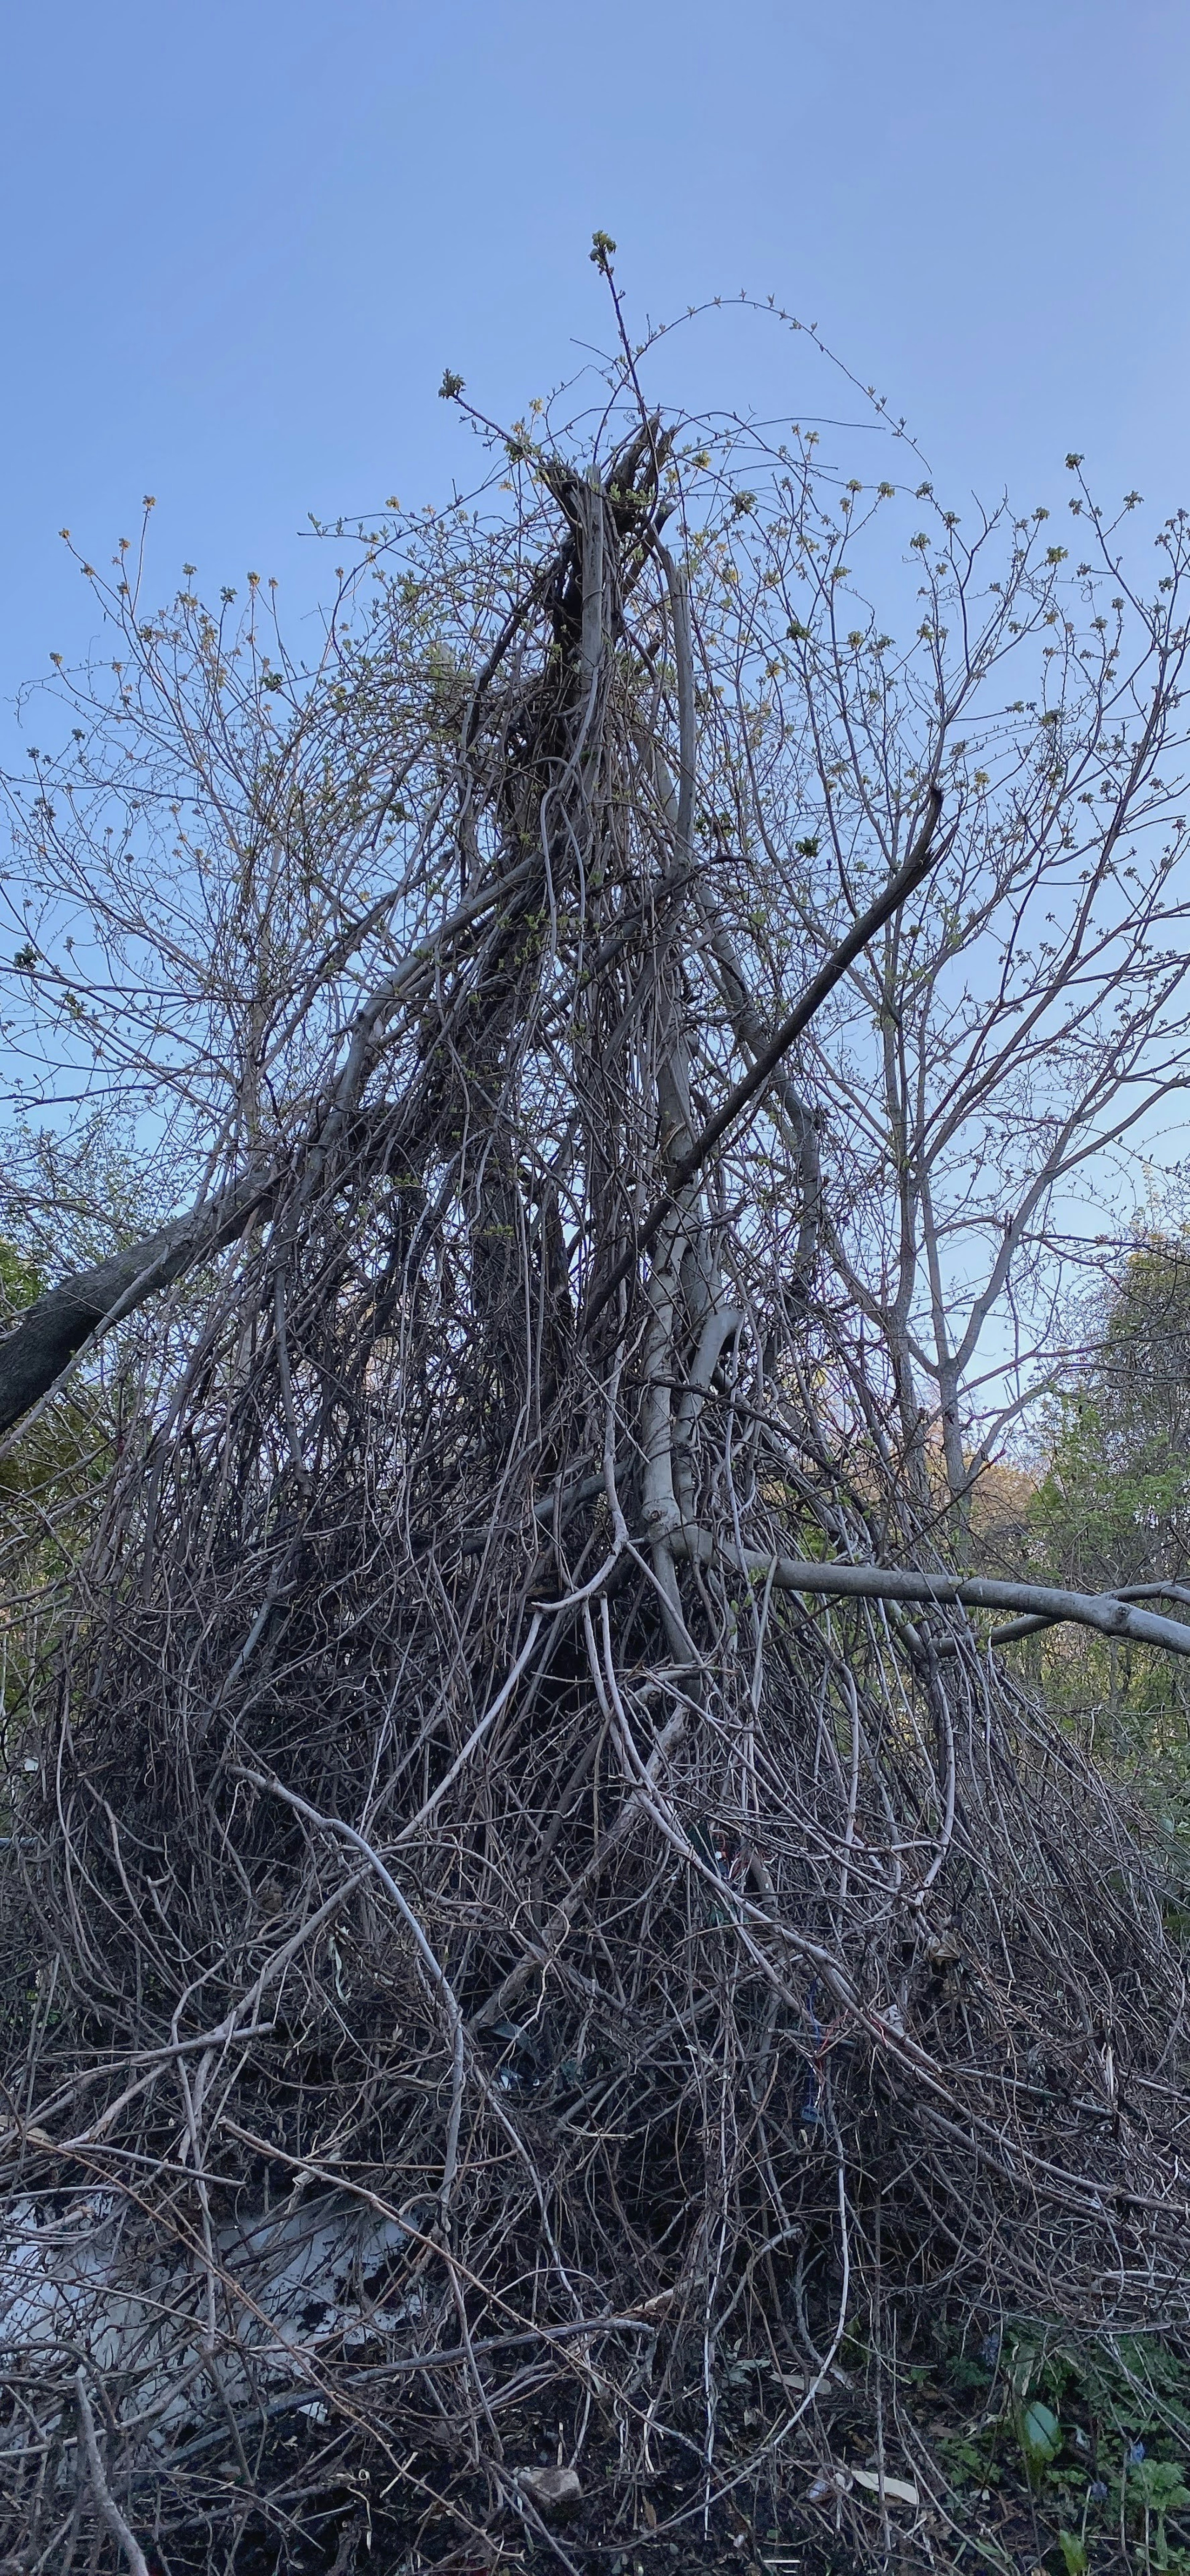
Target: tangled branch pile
{"x": 489, "y": 1939}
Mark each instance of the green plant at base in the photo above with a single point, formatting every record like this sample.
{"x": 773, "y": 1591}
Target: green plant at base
{"x": 1153, "y": 2489}
{"x": 1040, "y": 2436}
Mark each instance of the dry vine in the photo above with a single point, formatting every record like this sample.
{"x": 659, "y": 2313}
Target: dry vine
{"x": 461, "y": 1816}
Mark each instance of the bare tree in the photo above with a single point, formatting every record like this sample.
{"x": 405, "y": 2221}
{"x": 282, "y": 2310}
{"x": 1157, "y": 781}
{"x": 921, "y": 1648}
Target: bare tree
{"x": 503, "y": 1845}
{"x": 989, "y": 1056}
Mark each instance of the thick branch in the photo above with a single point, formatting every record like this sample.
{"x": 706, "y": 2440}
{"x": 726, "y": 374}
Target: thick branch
{"x": 751, "y": 1035}
{"x": 1031, "y": 1627}
{"x": 1103, "y": 1611}
{"x": 53, "y": 1330}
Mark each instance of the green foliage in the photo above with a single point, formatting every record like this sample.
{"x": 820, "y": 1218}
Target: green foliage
{"x": 20, "y": 1281}
{"x": 1099, "y": 2429}
{"x": 1112, "y": 1512}
{"x": 1114, "y": 1507}
{"x": 1041, "y": 2435}
{"x": 1157, "y": 2486}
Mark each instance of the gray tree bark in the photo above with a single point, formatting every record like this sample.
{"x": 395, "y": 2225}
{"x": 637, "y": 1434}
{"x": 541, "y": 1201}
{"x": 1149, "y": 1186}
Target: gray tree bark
{"x": 53, "y": 1330}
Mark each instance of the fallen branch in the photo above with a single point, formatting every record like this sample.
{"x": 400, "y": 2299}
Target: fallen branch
{"x": 53, "y": 1333}
{"x": 1032, "y": 1626}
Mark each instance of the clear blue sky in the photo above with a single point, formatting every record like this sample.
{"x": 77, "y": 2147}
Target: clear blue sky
{"x": 240, "y": 242}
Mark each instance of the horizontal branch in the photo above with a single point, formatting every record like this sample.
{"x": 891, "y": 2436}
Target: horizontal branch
{"x": 1032, "y": 1627}
{"x": 1103, "y": 1611}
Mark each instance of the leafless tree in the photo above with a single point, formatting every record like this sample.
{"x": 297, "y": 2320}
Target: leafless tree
{"x": 514, "y": 1768}
{"x": 989, "y": 1055}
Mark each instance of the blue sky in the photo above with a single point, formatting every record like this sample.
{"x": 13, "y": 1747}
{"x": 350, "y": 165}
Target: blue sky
{"x": 240, "y": 242}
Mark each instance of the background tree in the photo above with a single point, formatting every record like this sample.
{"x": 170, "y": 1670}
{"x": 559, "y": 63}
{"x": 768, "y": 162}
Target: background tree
{"x": 986, "y": 1060}
{"x": 1114, "y": 1506}
{"x": 1110, "y": 1508}
{"x": 50, "y": 1482}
